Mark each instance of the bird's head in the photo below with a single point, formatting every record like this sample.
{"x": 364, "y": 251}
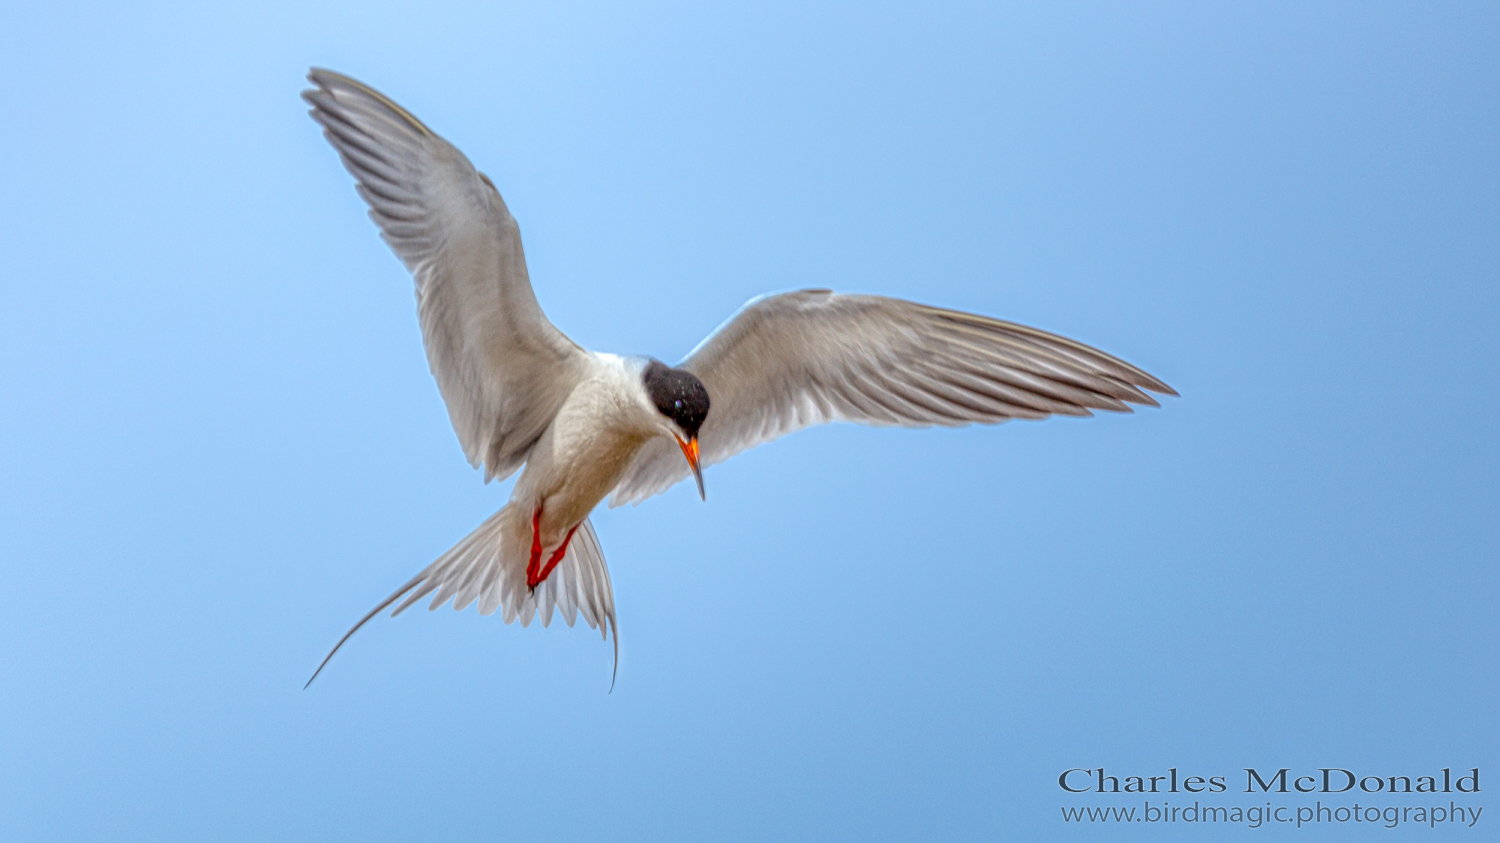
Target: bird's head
{"x": 682, "y": 401}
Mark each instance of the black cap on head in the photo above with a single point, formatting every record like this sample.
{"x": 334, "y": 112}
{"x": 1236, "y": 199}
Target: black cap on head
{"x": 677, "y": 394}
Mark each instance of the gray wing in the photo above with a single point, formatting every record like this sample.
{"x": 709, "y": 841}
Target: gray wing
{"x": 502, "y": 368}
{"x": 787, "y": 361}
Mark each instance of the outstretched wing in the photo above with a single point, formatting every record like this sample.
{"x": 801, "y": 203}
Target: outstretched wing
{"x": 791, "y": 360}
{"x": 502, "y": 367}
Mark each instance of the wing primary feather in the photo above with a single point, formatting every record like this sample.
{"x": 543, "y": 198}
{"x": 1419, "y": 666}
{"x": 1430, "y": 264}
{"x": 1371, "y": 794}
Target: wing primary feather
{"x": 1059, "y": 344}
{"x": 328, "y": 79}
{"x": 932, "y": 409}
{"x": 1025, "y": 392}
{"x": 857, "y": 400}
{"x": 892, "y": 404}
{"x": 977, "y": 405}
{"x": 1043, "y": 364}
{"x": 1028, "y": 404}
{"x": 357, "y": 158}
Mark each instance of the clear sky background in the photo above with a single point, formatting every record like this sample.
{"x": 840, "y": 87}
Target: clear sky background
{"x": 221, "y": 443}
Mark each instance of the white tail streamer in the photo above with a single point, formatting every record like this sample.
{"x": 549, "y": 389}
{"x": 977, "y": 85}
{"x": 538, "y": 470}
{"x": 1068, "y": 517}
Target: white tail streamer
{"x": 489, "y": 567}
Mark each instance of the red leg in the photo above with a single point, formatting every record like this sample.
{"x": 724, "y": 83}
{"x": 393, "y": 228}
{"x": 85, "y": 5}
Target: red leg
{"x": 555, "y": 558}
{"x": 536, "y": 550}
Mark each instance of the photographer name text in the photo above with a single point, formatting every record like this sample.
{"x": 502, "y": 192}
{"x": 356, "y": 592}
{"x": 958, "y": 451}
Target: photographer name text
{"x": 1282, "y": 780}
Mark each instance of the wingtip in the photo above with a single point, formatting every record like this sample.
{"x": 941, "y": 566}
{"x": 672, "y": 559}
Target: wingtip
{"x": 1144, "y": 383}
{"x": 327, "y": 80}
{"x": 318, "y": 75}
{"x": 1153, "y": 384}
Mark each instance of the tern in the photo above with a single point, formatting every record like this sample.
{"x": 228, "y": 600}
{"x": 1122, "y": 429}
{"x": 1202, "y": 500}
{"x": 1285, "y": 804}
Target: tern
{"x": 586, "y": 425}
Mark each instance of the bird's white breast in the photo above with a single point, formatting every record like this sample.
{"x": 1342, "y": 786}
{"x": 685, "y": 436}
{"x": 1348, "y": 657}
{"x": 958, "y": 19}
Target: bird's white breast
{"x": 590, "y": 443}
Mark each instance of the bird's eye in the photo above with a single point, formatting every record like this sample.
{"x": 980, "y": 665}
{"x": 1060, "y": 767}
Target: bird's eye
{"x": 677, "y": 403}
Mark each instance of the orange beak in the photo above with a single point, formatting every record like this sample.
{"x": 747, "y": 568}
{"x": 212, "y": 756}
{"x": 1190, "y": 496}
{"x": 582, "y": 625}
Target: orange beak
{"x": 690, "y": 450}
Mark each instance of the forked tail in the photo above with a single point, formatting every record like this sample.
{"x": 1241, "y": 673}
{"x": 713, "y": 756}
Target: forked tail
{"x": 489, "y": 566}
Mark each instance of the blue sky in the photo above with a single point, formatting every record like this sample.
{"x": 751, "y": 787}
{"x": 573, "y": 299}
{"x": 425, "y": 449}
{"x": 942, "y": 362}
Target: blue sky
{"x": 222, "y": 444}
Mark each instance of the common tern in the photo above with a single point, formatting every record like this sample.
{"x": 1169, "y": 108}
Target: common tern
{"x": 586, "y": 425}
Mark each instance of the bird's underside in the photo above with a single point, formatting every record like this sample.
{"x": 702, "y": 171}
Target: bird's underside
{"x": 516, "y": 387}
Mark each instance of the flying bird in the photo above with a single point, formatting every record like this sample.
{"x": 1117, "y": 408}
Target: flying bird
{"x": 586, "y": 425}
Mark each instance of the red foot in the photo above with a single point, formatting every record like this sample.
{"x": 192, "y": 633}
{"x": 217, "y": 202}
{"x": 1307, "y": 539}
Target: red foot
{"x": 535, "y": 573}
{"x": 555, "y": 558}
{"x": 533, "y": 566}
